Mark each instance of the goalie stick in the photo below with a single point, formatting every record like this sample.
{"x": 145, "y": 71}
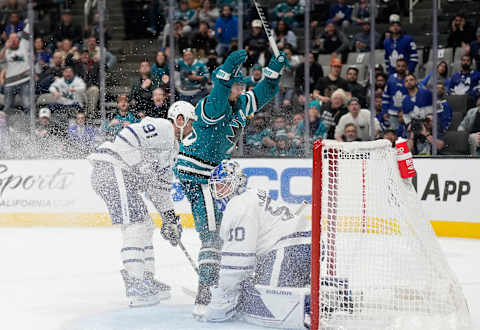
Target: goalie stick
{"x": 267, "y": 29}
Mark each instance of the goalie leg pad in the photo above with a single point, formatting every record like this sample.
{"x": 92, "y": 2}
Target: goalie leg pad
{"x": 268, "y": 306}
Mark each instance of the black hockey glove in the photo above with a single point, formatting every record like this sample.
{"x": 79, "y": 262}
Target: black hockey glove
{"x": 171, "y": 228}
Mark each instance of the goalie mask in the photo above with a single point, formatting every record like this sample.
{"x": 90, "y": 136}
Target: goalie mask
{"x": 227, "y": 179}
{"x": 181, "y": 108}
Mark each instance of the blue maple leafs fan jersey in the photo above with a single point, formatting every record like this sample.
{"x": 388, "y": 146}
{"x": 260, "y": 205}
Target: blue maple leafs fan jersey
{"x": 461, "y": 84}
{"x": 218, "y": 128}
{"x": 403, "y": 47}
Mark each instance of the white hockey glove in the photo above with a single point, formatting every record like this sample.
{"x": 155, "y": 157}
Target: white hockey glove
{"x": 171, "y": 228}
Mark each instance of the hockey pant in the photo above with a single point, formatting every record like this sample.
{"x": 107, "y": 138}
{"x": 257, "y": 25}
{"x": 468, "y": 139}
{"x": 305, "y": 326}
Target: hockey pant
{"x": 269, "y": 306}
{"x": 207, "y": 223}
{"x": 121, "y": 191}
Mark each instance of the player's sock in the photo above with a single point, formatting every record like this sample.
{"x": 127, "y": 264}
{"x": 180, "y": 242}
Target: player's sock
{"x": 149, "y": 255}
{"x": 133, "y": 250}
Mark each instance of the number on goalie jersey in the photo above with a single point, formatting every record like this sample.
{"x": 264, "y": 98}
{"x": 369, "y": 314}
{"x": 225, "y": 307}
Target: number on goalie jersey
{"x": 269, "y": 240}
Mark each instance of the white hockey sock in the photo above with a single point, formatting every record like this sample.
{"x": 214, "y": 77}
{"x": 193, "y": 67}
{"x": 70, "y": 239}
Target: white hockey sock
{"x": 133, "y": 251}
{"x": 149, "y": 255}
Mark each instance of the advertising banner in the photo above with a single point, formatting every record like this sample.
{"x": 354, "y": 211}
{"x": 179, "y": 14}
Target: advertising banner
{"x": 58, "y": 192}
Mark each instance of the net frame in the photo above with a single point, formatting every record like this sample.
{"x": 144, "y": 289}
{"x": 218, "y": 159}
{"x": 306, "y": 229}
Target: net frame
{"x": 325, "y": 175}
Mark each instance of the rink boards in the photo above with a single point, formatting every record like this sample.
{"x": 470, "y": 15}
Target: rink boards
{"x": 58, "y": 192}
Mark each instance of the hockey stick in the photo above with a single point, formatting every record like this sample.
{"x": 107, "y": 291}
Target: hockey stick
{"x": 182, "y": 247}
{"x": 266, "y": 27}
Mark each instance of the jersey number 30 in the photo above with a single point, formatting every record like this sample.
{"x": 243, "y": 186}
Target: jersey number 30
{"x": 237, "y": 233}
{"x": 149, "y": 130}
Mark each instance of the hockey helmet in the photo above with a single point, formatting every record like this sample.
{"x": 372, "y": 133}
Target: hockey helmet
{"x": 181, "y": 108}
{"x": 227, "y": 179}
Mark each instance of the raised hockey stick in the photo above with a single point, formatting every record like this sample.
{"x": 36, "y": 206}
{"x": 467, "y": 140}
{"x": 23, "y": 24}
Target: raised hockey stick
{"x": 182, "y": 247}
{"x": 266, "y": 27}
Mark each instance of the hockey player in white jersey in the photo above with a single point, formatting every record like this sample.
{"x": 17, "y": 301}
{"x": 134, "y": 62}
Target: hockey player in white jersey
{"x": 265, "y": 261}
{"x": 139, "y": 162}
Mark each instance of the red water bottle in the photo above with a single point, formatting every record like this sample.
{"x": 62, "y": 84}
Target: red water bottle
{"x": 405, "y": 159}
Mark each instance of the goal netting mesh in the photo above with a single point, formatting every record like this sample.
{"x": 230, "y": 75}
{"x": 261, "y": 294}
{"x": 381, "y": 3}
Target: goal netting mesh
{"x": 376, "y": 262}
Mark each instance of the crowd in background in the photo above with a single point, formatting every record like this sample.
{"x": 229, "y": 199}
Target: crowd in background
{"x": 67, "y": 76}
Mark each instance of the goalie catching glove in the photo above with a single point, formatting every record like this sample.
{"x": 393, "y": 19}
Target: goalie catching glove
{"x": 229, "y": 73}
{"x": 171, "y": 228}
{"x": 275, "y": 66}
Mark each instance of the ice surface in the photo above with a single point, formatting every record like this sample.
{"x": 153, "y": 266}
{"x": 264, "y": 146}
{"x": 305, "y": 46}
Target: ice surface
{"x": 67, "y": 278}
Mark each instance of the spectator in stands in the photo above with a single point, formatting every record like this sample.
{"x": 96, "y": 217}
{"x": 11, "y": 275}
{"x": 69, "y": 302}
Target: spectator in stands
{"x": 399, "y": 45}
{"x": 421, "y": 140}
{"x": 204, "y": 40}
{"x": 297, "y": 119}
{"x": 331, "y": 41}
{"x": 360, "y": 12}
{"x": 279, "y": 125}
{"x": 94, "y": 29}
{"x": 226, "y": 28}
{"x": 379, "y": 70}
{"x": 333, "y": 111}
{"x": 255, "y": 77}
{"x": 47, "y": 136}
{"x": 141, "y": 91}
{"x": 67, "y": 94}
{"x": 461, "y": 33}
{"x": 359, "y": 118}
{"x": 287, "y": 80}
{"x": 193, "y": 78}
{"x": 81, "y": 136}
{"x": 8, "y": 7}
{"x": 340, "y": 13}
{"x": 317, "y": 128}
{"x": 17, "y": 72}
{"x": 474, "y": 51}
{"x": 417, "y": 103}
{"x": 442, "y": 76}
{"x": 67, "y": 48}
{"x": 160, "y": 67}
{"x": 50, "y": 74}
{"x": 471, "y": 125}
{"x": 42, "y": 56}
{"x": 94, "y": 53}
{"x": 325, "y": 86}
{"x": 444, "y": 110}
{"x": 89, "y": 71}
{"x": 208, "y": 13}
{"x": 394, "y": 94}
{"x": 361, "y": 40}
{"x": 67, "y": 30}
{"x": 283, "y": 35}
{"x": 122, "y": 119}
{"x": 391, "y": 136}
{"x": 357, "y": 90}
{"x": 212, "y": 62}
{"x": 256, "y": 133}
{"x": 290, "y": 11}
{"x": 161, "y": 104}
{"x": 5, "y": 146}
{"x": 14, "y": 25}
{"x": 283, "y": 146}
{"x": 465, "y": 82}
{"x": 255, "y": 43}
{"x": 186, "y": 15}
{"x": 349, "y": 133}
{"x": 316, "y": 72}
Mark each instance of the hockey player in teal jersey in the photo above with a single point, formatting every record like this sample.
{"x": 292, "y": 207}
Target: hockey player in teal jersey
{"x": 222, "y": 116}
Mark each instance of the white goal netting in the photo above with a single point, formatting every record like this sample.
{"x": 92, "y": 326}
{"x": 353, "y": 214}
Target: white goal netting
{"x": 380, "y": 265}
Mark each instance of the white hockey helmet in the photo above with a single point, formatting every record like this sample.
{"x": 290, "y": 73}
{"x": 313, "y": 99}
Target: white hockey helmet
{"x": 181, "y": 108}
{"x": 227, "y": 179}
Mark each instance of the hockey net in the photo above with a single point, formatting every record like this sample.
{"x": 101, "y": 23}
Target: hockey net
{"x": 376, "y": 263}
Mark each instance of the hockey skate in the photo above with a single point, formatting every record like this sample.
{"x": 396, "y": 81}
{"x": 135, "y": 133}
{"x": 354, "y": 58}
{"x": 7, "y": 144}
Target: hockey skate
{"x": 201, "y": 302}
{"x": 157, "y": 287}
{"x": 138, "y": 293}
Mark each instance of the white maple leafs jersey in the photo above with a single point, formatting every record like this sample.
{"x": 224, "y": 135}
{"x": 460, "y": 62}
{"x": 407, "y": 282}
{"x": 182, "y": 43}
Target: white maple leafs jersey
{"x": 259, "y": 234}
{"x": 148, "y": 149}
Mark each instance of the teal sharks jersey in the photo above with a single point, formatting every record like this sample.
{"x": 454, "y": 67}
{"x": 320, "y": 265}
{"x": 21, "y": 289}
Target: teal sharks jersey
{"x": 218, "y": 128}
